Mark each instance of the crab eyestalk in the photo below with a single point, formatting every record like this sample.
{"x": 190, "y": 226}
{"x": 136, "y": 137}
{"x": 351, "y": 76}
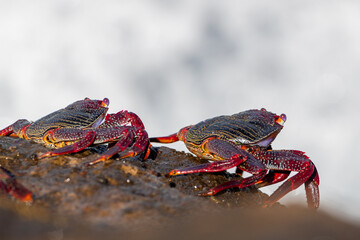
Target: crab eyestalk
{"x": 281, "y": 119}
{"x": 105, "y": 102}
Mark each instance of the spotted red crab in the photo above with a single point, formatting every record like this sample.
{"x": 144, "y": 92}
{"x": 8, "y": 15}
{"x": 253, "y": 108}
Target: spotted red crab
{"x": 243, "y": 140}
{"x": 82, "y": 124}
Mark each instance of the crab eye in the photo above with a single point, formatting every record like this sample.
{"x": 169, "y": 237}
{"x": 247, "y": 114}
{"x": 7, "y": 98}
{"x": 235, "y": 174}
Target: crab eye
{"x": 280, "y": 119}
{"x": 87, "y": 98}
{"x": 263, "y": 109}
{"x": 105, "y": 102}
{"x": 283, "y": 117}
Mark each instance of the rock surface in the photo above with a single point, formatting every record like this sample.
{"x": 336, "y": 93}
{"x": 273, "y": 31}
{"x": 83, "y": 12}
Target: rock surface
{"x": 133, "y": 198}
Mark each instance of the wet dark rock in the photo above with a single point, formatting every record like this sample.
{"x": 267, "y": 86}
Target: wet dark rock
{"x": 119, "y": 196}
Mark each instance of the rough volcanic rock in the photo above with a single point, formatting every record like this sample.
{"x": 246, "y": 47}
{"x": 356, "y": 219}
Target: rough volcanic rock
{"x": 117, "y": 192}
{"x": 133, "y": 198}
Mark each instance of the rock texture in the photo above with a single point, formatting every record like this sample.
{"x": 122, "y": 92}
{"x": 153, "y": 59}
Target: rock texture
{"x": 133, "y": 198}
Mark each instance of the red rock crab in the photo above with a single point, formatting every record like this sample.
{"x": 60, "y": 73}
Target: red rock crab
{"x": 82, "y": 124}
{"x": 243, "y": 140}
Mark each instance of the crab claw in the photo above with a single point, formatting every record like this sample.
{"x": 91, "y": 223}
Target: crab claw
{"x": 9, "y": 185}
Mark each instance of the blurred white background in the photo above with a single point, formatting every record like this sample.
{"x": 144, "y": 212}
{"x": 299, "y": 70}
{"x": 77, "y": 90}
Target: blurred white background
{"x": 176, "y": 63}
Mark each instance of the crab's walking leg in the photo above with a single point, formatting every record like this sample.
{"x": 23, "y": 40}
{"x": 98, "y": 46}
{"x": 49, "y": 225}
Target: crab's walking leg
{"x": 312, "y": 190}
{"x": 83, "y": 139}
{"x": 140, "y": 146}
{"x": 168, "y": 139}
{"x": 16, "y": 128}
{"x": 231, "y": 156}
{"x": 272, "y": 177}
{"x": 126, "y": 146}
{"x": 7, "y": 131}
{"x": 291, "y": 160}
{"x": 9, "y": 185}
{"x": 125, "y": 139}
{"x": 173, "y": 137}
{"x": 252, "y": 166}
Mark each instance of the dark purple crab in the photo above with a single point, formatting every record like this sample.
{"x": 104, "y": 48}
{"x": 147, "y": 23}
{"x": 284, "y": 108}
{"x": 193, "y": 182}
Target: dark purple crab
{"x": 82, "y": 124}
{"x": 243, "y": 140}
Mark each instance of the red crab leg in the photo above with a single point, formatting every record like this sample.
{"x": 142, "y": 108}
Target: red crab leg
{"x": 168, "y": 139}
{"x": 121, "y": 119}
{"x": 173, "y": 137}
{"x": 141, "y": 145}
{"x": 9, "y": 185}
{"x": 217, "y": 166}
{"x": 252, "y": 166}
{"x": 18, "y": 127}
{"x": 273, "y": 176}
{"x": 84, "y": 138}
{"x": 232, "y": 156}
{"x": 125, "y": 146}
{"x": 7, "y": 131}
{"x": 125, "y": 140}
{"x": 291, "y": 160}
{"x": 312, "y": 191}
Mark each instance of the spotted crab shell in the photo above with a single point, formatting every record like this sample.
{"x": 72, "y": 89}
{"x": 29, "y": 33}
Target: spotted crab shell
{"x": 80, "y": 114}
{"x": 251, "y": 127}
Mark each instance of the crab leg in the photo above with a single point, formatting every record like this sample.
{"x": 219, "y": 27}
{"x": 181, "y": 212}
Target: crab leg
{"x": 141, "y": 145}
{"x": 231, "y": 155}
{"x": 272, "y": 177}
{"x": 84, "y": 138}
{"x": 7, "y": 131}
{"x": 217, "y": 166}
{"x": 16, "y": 128}
{"x": 312, "y": 191}
{"x": 125, "y": 146}
{"x": 168, "y": 139}
{"x": 126, "y": 139}
{"x": 9, "y": 185}
{"x": 173, "y": 137}
{"x": 252, "y": 166}
{"x": 291, "y": 160}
